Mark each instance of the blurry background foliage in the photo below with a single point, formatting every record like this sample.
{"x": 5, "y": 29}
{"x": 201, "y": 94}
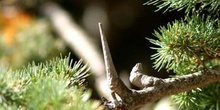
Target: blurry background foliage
{"x": 55, "y": 84}
{"x": 25, "y": 39}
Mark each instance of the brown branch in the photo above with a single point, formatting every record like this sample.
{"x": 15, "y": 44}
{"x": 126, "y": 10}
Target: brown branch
{"x": 156, "y": 88}
{"x": 110, "y": 68}
{"x": 115, "y": 83}
{"x": 152, "y": 88}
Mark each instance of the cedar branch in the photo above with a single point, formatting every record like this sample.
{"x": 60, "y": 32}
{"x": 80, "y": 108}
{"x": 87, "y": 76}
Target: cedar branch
{"x": 152, "y": 88}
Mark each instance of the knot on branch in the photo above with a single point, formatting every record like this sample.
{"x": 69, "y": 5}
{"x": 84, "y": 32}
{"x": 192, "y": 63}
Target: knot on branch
{"x": 141, "y": 80}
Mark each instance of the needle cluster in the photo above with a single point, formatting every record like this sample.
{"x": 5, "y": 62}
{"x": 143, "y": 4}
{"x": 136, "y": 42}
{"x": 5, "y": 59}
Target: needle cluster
{"x": 54, "y": 85}
{"x": 189, "y": 45}
{"x": 190, "y": 6}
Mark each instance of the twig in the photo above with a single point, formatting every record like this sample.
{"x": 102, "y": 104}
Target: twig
{"x": 110, "y": 68}
{"x": 115, "y": 83}
{"x": 152, "y": 88}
